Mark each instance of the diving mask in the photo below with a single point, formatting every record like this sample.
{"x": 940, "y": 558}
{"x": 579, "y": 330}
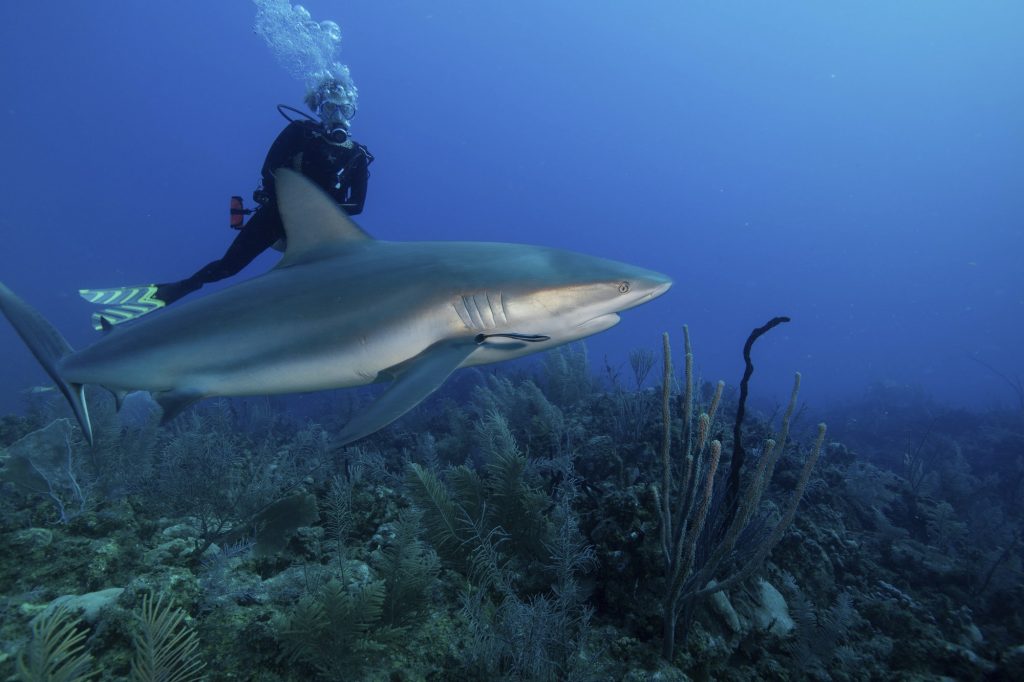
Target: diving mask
{"x": 335, "y": 117}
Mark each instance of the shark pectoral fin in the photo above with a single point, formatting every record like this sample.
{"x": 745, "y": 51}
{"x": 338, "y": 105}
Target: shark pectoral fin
{"x": 175, "y": 401}
{"x": 414, "y": 381}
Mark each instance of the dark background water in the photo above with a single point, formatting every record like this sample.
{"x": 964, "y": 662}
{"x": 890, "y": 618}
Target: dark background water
{"x": 854, "y": 165}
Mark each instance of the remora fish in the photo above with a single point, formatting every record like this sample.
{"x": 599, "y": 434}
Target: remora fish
{"x": 342, "y": 309}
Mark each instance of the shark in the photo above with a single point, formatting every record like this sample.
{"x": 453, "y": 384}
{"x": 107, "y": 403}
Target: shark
{"x": 342, "y": 309}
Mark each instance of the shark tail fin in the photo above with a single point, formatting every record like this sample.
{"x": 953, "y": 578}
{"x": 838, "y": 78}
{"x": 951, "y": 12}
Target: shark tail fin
{"x": 49, "y": 347}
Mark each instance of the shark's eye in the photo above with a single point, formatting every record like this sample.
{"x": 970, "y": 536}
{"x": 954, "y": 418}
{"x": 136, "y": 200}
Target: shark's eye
{"x": 623, "y": 287}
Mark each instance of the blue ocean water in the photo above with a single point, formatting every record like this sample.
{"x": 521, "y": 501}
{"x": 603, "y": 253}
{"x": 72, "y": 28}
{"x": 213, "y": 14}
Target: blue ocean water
{"x": 853, "y": 165}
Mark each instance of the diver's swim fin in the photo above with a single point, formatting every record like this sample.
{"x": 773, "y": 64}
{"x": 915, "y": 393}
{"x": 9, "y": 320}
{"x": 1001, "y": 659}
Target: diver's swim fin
{"x": 123, "y": 304}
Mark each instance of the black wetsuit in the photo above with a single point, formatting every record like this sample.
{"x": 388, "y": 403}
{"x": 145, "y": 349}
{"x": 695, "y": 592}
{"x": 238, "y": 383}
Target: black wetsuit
{"x": 341, "y": 170}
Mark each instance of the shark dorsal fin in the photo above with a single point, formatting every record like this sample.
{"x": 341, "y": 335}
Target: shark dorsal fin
{"x": 311, "y": 218}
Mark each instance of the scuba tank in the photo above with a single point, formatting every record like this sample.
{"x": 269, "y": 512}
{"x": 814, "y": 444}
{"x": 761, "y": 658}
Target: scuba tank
{"x": 237, "y": 212}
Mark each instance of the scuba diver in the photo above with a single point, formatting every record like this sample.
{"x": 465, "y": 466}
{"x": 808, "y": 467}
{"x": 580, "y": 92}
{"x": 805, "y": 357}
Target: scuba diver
{"x": 320, "y": 148}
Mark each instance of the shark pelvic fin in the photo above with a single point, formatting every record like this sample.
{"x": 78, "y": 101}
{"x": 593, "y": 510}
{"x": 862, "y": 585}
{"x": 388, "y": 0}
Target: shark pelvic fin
{"x": 415, "y": 380}
{"x": 176, "y": 401}
{"x": 119, "y": 396}
{"x": 311, "y": 218}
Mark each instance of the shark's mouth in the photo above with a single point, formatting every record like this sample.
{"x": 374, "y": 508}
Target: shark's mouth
{"x": 599, "y": 324}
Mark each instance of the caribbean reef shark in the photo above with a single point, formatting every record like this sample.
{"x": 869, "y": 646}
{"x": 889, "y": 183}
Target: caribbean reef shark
{"x": 343, "y": 309}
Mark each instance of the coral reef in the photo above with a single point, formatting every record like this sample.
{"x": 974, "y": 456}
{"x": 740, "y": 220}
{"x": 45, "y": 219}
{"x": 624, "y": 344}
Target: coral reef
{"x": 529, "y": 524}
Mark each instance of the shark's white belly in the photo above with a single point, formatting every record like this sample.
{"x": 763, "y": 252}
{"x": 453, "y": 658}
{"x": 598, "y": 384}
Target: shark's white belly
{"x": 254, "y": 364}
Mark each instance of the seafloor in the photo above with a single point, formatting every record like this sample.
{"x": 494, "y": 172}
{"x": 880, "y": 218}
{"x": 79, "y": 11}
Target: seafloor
{"x": 512, "y": 528}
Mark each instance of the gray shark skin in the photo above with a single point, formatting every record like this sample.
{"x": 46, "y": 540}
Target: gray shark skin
{"x": 342, "y": 309}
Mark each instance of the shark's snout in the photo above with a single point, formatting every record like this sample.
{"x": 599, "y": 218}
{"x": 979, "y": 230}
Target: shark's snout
{"x": 651, "y": 285}
{"x": 660, "y": 287}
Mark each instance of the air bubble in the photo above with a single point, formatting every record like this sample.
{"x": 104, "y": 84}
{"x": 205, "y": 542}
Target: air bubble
{"x": 304, "y": 47}
{"x": 331, "y": 30}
